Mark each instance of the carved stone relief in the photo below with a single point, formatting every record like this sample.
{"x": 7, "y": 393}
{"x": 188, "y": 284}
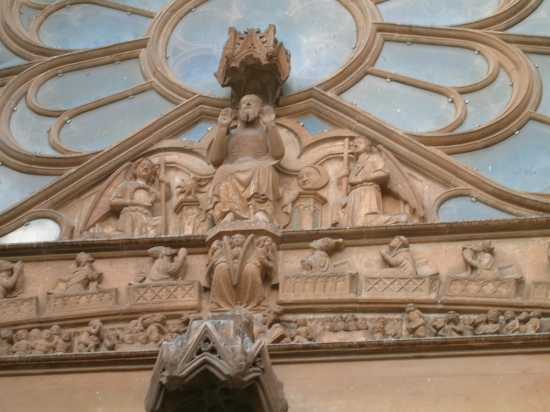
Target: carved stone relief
{"x": 483, "y": 277}
{"x": 11, "y": 279}
{"x": 11, "y": 286}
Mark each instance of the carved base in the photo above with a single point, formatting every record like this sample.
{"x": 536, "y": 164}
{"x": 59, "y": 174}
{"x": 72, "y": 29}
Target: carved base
{"x": 400, "y": 288}
{"x": 319, "y": 287}
{"x": 14, "y": 309}
{"x": 177, "y": 295}
{"x": 104, "y": 299}
{"x": 483, "y": 289}
{"x": 244, "y": 227}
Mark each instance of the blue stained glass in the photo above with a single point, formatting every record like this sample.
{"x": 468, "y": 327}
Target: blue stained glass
{"x": 536, "y": 24}
{"x": 79, "y": 87}
{"x": 83, "y": 26}
{"x": 542, "y": 61}
{"x": 8, "y": 59}
{"x": 198, "y": 131}
{"x": 37, "y": 230}
{"x": 314, "y": 124}
{"x": 406, "y": 107}
{"x": 17, "y": 186}
{"x": 109, "y": 124}
{"x": 151, "y": 5}
{"x": 465, "y": 208}
{"x": 197, "y": 42}
{"x": 519, "y": 162}
{"x": 485, "y": 105}
{"x": 30, "y": 130}
{"x": 444, "y": 65}
{"x": 437, "y": 12}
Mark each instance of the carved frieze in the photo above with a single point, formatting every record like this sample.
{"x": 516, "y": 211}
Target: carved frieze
{"x": 177, "y": 295}
{"x": 18, "y": 309}
{"x": 83, "y": 302}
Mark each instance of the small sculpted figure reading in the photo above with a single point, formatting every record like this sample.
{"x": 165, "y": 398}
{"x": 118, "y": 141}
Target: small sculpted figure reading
{"x": 246, "y": 184}
{"x": 85, "y": 277}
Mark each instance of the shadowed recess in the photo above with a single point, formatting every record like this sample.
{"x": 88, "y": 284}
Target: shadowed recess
{"x": 30, "y": 130}
{"x": 542, "y": 62}
{"x": 406, "y": 107}
{"x": 83, "y": 26}
{"x": 519, "y": 162}
{"x": 485, "y": 105}
{"x": 7, "y": 58}
{"x": 314, "y": 124}
{"x": 437, "y": 12}
{"x": 112, "y": 123}
{"x": 198, "y": 131}
{"x": 466, "y": 208}
{"x": 37, "y": 230}
{"x": 536, "y": 24}
{"x": 443, "y": 65}
{"x": 76, "y": 88}
{"x": 17, "y": 186}
{"x": 197, "y": 42}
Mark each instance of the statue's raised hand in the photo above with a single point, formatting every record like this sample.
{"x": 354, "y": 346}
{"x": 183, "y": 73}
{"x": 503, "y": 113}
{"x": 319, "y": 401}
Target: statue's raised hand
{"x": 226, "y": 117}
{"x": 268, "y": 115}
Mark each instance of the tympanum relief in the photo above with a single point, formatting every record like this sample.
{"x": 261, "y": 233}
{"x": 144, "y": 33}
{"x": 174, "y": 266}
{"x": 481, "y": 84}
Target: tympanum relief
{"x": 13, "y": 307}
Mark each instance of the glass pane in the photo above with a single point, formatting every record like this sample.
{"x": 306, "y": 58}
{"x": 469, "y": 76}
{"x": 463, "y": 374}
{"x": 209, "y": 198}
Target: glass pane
{"x": 79, "y": 87}
{"x": 17, "y": 186}
{"x": 537, "y": 24}
{"x": 485, "y": 105}
{"x": 30, "y": 130}
{"x": 198, "y": 131}
{"x": 436, "y": 12}
{"x": 313, "y": 124}
{"x": 197, "y": 42}
{"x": 152, "y": 5}
{"x": 27, "y": 14}
{"x": 37, "y": 230}
{"x": 107, "y": 125}
{"x": 519, "y": 162}
{"x": 542, "y": 62}
{"x": 444, "y": 65}
{"x": 83, "y": 26}
{"x": 406, "y": 107}
{"x": 465, "y": 208}
{"x": 8, "y": 59}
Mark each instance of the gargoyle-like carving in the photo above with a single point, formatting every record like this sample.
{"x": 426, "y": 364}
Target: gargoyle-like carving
{"x": 168, "y": 265}
{"x": 374, "y": 172}
{"x": 238, "y": 269}
{"x": 246, "y": 184}
{"x": 254, "y": 62}
{"x": 11, "y": 279}
{"x": 85, "y": 277}
{"x": 216, "y": 366}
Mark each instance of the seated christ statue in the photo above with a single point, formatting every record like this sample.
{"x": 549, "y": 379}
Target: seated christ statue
{"x": 246, "y": 184}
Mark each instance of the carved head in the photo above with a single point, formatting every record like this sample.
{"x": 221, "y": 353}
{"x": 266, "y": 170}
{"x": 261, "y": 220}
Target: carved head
{"x": 249, "y": 108}
{"x": 21, "y": 334}
{"x": 509, "y": 315}
{"x": 493, "y": 315}
{"x": 56, "y": 330}
{"x": 362, "y": 144}
{"x": 399, "y": 242}
{"x": 95, "y": 326}
{"x": 145, "y": 169}
{"x": 410, "y": 308}
{"x": 161, "y": 251}
{"x": 35, "y": 334}
{"x": 237, "y": 240}
{"x": 453, "y": 317}
{"x": 82, "y": 258}
{"x": 6, "y": 335}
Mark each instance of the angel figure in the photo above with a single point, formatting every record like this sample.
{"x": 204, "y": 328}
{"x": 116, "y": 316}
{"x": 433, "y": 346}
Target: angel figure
{"x": 11, "y": 279}
{"x": 134, "y": 199}
{"x": 375, "y": 171}
{"x": 238, "y": 268}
